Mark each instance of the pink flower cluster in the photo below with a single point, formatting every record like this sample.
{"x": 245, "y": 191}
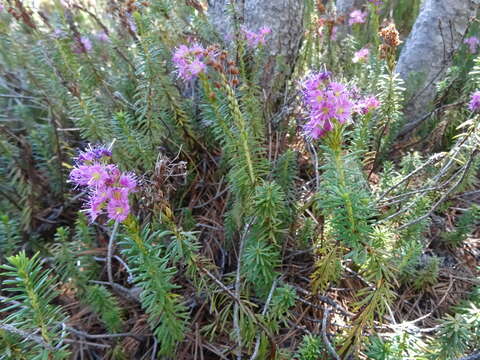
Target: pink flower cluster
{"x": 102, "y": 36}
{"x": 472, "y": 43}
{"x": 82, "y": 45}
{"x": 361, "y": 55}
{"x": 357, "y": 17}
{"x": 108, "y": 187}
{"x": 254, "y": 39}
{"x": 367, "y": 105}
{"x": 333, "y": 34}
{"x": 331, "y": 103}
{"x": 474, "y": 104}
{"x": 328, "y": 102}
{"x": 189, "y": 61}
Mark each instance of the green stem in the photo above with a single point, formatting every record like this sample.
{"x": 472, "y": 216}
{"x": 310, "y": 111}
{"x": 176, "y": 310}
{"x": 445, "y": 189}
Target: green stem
{"x": 241, "y": 125}
{"x": 215, "y": 105}
{"x": 336, "y": 146}
{"x": 34, "y": 301}
{"x": 342, "y": 179}
{"x": 110, "y": 251}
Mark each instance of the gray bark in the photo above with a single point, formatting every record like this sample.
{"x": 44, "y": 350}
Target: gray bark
{"x": 346, "y": 6}
{"x": 437, "y": 33}
{"x": 284, "y": 17}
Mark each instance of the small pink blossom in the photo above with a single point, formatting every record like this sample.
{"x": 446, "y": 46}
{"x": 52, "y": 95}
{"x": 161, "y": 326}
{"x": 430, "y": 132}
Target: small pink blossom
{"x": 474, "y": 104}
{"x": 98, "y": 175}
{"x": 196, "y": 67}
{"x": 357, "y": 17}
{"x": 328, "y": 102}
{"x": 131, "y": 23}
{"x": 336, "y": 88}
{"x": 265, "y": 30}
{"x": 97, "y": 202}
{"x": 472, "y": 43}
{"x": 86, "y": 43}
{"x": 102, "y": 37}
{"x": 254, "y": 39}
{"x": 361, "y": 55}
{"x": 118, "y": 194}
{"x": 118, "y": 210}
{"x": 343, "y": 109}
{"x": 334, "y": 33}
{"x": 367, "y": 105}
{"x": 58, "y": 34}
{"x": 181, "y": 53}
{"x": 128, "y": 181}
{"x": 91, "y": 154}
{"x": 82, "y": 45}
{"x": 108, "y": 187}
{"x": 80, "y": 175}
{"x": 197, "y": 50}
{"x": 228, "y": 37}
{"x": 189, "y": 61}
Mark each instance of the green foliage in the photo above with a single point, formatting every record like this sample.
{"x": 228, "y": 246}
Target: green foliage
{"x": 31, "y": 292}
{"x": 405, "y": 13}
{"x": 391, "y": 96}
{"x": 234, "y": 204}
{"x": 261, "y": 255}
{"x": 106, "y": 305}
{"x": 260, "y": 261}
{"x": 465, "y": 225}
{"x": 408, "y": 258}
{"x": 459, "y": 334}
{"x": 345, "y": 201}
{"x": 269, "y": 208}
{"x": 167, "y": 315}
{"x": 475, "y": 72}
{"x": 10, "y": 236}
{"x": 427, "y": 275}
{"x": 328, "y": 267}
{"x": 379, "y": 274}
{"x": 284, "y": 298}
{"x": 399, "y": 346}
{"x": 311, "y": 348}
{"x": 286, "y": 170}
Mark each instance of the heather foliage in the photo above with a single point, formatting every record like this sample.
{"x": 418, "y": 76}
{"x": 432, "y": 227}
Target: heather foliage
{"x": 160, "y": 198}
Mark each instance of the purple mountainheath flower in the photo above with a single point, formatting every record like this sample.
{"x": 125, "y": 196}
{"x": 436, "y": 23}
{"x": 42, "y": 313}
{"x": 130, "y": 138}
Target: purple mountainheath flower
{"x": 367, "y": 105}
{"x": 474, "y": 104}
{"x": 361, "y": 55}
{"x": 472, "y": 43}
{"x": 82, "y": 45}
{"x": 254, "y": 39}
{"x": 107, "y": 186}
{"x": 357, "y": 17}
{"x": 328, "y": 103}
{"x": 102, "y": 37}
{"x": 189, "y": 61}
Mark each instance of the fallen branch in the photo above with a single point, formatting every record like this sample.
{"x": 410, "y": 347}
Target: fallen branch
{"x": 27, "y": 336}
{"x": 327, "y": 342}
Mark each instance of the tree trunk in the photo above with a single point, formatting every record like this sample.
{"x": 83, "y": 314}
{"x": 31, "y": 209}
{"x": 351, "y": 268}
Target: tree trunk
{"x": 283, "y": 17}
{"x": 344, "y": 7}
{"x": 428, "y": 52}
